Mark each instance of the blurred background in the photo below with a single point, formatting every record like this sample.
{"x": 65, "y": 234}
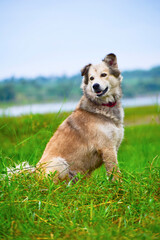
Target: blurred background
{"x": 44, "y": 44}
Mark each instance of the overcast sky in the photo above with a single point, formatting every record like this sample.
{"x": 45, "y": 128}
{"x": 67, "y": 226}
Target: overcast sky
{"x": 55, "y": 37}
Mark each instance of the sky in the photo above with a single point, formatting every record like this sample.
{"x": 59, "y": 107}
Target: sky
{"x": 50, "y": 37}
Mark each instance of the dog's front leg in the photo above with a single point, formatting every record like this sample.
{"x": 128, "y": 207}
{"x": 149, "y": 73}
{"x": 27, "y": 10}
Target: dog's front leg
{"x": 109, "y": 156}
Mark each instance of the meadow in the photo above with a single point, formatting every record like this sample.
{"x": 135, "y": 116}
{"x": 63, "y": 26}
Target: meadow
{"x": 94, "y": 208}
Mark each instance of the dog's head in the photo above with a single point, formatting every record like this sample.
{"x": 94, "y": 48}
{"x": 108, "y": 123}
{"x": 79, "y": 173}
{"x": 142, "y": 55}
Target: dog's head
{"x": 101, "y": 82}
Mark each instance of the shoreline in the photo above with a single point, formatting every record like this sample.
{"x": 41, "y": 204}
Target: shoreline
{"x": 71, "y": 105}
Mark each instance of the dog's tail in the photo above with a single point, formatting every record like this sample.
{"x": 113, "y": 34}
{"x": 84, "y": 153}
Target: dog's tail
{"x": 22, "y": 167}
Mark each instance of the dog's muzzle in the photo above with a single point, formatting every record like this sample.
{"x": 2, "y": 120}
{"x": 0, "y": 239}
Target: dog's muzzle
{"x": 98, "y": 90}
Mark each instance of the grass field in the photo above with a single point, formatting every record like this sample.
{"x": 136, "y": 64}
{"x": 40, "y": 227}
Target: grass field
{"x": 91, "y": 209}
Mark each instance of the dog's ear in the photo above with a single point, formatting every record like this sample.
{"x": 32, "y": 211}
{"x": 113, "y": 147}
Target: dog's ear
{"x": 111, "y": 61}
{"x": 84, "y": 72}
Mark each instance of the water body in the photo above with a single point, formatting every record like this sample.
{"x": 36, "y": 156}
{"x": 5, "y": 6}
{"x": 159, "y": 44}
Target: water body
{"x": 70, "y": 106}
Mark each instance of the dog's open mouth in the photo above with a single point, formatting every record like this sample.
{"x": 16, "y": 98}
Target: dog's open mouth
{"x": 101, "y": 93}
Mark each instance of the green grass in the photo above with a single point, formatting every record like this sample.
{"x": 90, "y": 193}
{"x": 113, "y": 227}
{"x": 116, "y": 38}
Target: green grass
{"x": 142, "y": 115}
{"x": 93, "y": 208}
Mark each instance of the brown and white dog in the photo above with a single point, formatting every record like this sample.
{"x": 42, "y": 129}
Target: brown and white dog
{"x": 92, "y": 134}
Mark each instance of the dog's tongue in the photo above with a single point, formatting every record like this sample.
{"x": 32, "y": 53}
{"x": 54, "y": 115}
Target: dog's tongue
{"x": 98, "y": 91}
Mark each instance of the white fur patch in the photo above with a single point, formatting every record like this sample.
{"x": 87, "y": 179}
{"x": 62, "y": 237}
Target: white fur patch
{"x": 24, "y": 166}
{"x": 115, "y": 134}
{"x": 107, "y": 130}
{"x": 20, "y": 167}
{"x": 58, "y": 164}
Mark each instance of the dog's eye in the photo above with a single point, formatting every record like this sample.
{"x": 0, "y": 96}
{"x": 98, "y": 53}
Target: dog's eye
{"x": 103, "y": 74}
{"x": 91, "y": 78}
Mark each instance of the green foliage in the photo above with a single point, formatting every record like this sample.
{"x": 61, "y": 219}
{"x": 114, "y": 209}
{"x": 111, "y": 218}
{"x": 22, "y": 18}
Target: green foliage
{"x": 7, "y": 92}
{"x": 42, "y": 89}
{"x": 141, "y": 82}
{"x": 91, "y": 209}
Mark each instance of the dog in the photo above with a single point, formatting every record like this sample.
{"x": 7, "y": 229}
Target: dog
{"x": 92, "y": 134}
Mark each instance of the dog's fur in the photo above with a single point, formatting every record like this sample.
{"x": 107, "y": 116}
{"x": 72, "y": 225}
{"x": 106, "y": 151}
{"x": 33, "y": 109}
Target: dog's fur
{"x": 92, "y": 134}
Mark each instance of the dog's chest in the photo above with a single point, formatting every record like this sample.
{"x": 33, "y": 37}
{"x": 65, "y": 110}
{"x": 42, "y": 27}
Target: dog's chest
{"x": 111, "y": 132}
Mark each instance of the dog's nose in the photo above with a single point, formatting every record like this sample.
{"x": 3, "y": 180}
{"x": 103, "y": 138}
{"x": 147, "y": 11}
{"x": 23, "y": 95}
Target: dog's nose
{"x": 96, "y": 86}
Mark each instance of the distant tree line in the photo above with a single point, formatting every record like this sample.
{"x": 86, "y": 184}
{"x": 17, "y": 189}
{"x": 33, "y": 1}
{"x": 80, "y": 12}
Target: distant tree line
{"x": 7, "y": 92}
{"x": 43, "y": 89}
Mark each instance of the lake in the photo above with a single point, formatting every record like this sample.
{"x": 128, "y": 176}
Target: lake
{"x": 70, "y": 106}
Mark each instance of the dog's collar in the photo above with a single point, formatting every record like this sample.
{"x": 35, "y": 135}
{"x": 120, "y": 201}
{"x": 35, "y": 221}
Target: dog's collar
{"x": 109, "y": 104}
